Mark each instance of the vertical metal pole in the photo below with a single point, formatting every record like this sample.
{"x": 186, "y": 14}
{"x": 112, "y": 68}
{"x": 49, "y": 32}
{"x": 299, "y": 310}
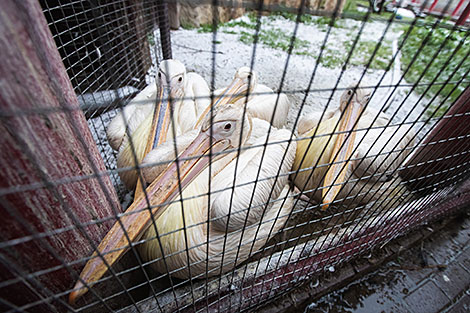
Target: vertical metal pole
{"x": 433, "y": 5}
{"x": 464, "y": 16}
{"x": 164, "y": 25}
{"x": 457, "y": 8}
{"x": 48, "y": 162}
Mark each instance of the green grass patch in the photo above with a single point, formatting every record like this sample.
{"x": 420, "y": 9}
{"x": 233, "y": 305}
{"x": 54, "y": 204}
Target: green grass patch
{"x": 334, "y": 57}
{"x": 270, "y": 36}
{"x": 186, "y": 25}
{"x": 277, "y": 39}
{"x": 151, "y": 39}
{"x": 207, "y": 28}
{"x": 304, "y": 18}
{"x": 323, "y": 22}
{"x": 364, "y": 50}
{"x": 437, "y": 38}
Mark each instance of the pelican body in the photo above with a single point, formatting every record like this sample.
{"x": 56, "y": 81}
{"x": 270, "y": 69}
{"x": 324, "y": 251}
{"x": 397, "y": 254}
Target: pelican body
{"x": 174, "y": 225}
{"x": 190, "y": 227}
{"x": 188, "y": 96}
{"x": 350, "y": 160}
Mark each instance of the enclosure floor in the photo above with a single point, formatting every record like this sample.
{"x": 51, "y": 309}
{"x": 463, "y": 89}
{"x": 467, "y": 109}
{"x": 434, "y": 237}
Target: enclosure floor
{"x": 414, "y": 275}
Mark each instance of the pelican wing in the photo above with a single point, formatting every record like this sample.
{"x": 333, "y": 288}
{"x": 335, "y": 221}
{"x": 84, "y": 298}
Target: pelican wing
{"x": 132, "y": 115}
{"x": 200, "y": 91}
{"x": 255, "y": 183}
{"x": 266, "y": 102}
{"x": 129, "y": 152}
{"x": 382, "y": 150}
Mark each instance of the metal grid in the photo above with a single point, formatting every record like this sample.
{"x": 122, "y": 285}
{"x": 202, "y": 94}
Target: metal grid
{"x": 111, "y": 51}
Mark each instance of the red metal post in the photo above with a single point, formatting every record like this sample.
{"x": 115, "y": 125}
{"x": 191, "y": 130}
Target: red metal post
{"x": 464, "y": 16}
{"x": 431, "y": 163}
{"x": 457, "y": 8}
{"x": 48, "y": 162}
{"x": 433, "y": 5}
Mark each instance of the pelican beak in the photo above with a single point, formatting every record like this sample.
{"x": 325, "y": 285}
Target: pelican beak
{"x": 342, "y": 151}
{"x": 138, "y": 217}
{"x": 161, "y": 120}
{"x": 238, "y": 89}
{"x": 159, "y": 128}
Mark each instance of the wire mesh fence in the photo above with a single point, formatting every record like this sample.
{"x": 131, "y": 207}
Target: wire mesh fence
{"x": 290, "y": 137}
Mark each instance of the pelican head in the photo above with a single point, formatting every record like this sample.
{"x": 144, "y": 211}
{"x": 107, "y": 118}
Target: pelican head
{"x": 353, "y": 94}
{"x": 172, "y": 76}
{"x": 171, "y": 82}
{"x": 242, "y": 85}
{"x": 227, "y": 123}
{"x": 220, "y": 131}
{"x": 352, "y": 103}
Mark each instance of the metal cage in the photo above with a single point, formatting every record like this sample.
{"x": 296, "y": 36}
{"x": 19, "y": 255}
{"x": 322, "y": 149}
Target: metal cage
{"x": 71, "y": 67}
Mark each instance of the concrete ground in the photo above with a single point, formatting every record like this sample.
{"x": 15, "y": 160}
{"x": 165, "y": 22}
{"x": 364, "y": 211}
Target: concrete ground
{"x": 426, "y": 271}
{"x": 433, "y": 276}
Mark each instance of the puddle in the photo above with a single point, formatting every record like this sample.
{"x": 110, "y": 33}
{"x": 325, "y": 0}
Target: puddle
{"x": 384, "y": 289}
{"x": 380, "y": 291}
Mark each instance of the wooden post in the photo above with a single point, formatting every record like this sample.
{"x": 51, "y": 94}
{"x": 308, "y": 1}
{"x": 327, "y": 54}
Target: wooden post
{"x": 48, "y": 166}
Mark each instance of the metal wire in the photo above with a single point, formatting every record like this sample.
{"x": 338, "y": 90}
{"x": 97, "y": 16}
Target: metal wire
{"x": 112, "y": 50}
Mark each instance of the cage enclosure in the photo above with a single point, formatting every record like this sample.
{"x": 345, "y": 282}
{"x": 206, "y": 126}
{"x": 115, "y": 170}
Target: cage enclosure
{"x": 221, "y": 164}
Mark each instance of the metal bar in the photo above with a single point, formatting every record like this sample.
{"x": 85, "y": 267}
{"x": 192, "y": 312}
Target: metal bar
{"x": 433, "y": 5}
{"x": 164, "y": 25}
{"x": 464, "y": 16}
{"x": 457, "y": 8}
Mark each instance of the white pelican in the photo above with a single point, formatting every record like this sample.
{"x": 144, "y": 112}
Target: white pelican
{"x": 262, "y": 101}
{"x": 360, "y": 157}
{"x": 189, "y": 94}
{"x": 229, "y": 126}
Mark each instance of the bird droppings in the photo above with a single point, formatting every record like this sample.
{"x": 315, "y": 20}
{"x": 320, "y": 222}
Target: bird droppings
{"x": 234, "y": 287}
{"x": 446, "y": 279}
{"x": 314, "y": 284}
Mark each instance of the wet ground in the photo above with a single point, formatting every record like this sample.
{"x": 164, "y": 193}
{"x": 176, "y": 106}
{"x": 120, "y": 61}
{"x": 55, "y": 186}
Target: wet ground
{"x": 433, "y": 276}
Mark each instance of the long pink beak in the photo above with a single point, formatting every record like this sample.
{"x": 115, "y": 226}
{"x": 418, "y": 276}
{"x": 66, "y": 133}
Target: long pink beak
{"x": 158, "y": 130}
{"x": 137, "y": 218}
{"x": 342, "y": 151}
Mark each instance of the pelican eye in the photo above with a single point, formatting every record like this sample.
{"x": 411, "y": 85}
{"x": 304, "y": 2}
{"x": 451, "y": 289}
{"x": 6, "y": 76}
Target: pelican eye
{"x": 159, "y": 75}
{"x": 180, "y": 79}
{"x": 227, "y": 126}
{"x": 249, "y": 77}
{"x": 349, "y": 92}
